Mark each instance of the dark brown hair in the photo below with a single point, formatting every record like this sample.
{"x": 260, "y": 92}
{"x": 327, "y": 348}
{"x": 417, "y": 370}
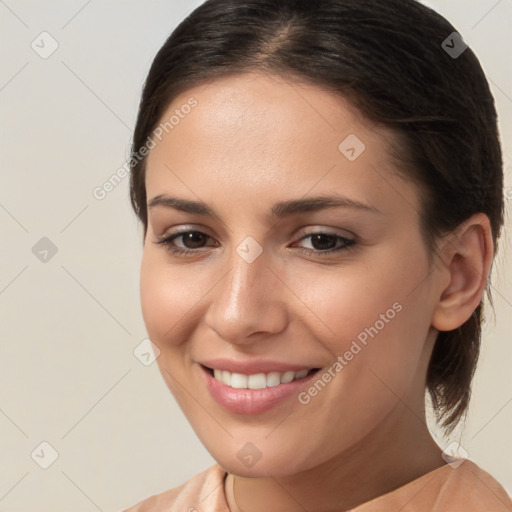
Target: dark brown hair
{"x": 388, "y": 58}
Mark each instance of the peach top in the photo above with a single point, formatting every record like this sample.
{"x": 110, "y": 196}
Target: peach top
{"x": 466, "y": 488}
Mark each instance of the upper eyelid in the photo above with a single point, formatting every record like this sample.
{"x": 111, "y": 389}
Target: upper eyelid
{"x": 306, "y": 234}
{"x": 303, "y": 231}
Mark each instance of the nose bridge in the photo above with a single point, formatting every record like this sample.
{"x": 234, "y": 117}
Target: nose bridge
{"x": 246, "y": 299}
{"x": 247, "y": 282}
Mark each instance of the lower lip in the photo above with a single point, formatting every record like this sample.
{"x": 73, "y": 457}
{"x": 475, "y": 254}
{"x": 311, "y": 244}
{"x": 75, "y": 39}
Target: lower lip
{"x": 252, "y": 401}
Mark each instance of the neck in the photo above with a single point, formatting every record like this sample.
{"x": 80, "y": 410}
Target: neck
{"x": 393, "y": 454}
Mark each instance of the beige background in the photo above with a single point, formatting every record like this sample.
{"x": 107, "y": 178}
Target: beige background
{"x": 69, "y": 325}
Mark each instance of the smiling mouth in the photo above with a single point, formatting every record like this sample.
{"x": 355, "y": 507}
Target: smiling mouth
{"x": 257, "y": 380}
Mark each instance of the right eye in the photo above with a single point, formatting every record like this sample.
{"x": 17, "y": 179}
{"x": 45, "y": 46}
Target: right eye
{"x": 191, "y": 239}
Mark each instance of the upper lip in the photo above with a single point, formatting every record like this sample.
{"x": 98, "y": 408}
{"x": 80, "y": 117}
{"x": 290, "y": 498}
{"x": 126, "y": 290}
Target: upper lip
{"x": 254, "y": 366}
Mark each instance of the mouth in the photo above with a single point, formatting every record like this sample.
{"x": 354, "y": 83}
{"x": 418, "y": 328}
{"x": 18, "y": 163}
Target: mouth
{"x": 253, "y": 386}
{"x": 258, "y": 380}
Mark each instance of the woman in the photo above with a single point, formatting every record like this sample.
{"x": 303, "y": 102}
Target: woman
{"x": 320, "y": 185}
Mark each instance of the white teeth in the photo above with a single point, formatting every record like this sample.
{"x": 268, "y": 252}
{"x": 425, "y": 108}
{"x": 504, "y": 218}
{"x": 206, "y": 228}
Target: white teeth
{"x": 226, "y": 378}
{"x": 287, "y": 377}
{"x": 302, "y": 373}
{"x": 273, "y": 379}
{"x": 258, "y": 380}
{"x": 239, "y": 380}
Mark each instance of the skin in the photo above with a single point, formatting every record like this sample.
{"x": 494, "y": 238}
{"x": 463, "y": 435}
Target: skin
{"x": 251, "y": 141}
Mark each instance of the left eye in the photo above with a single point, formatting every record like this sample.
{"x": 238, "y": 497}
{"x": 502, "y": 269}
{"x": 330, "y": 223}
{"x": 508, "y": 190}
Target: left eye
{"x": 193, "y": 241}
{"x": 328, "y": 242}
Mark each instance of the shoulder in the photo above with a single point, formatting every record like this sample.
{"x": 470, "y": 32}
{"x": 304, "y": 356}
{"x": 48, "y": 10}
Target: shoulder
{"x": 203, "y": 492}
{"x": 450, "y": 488}
{"x": 469, "y": 487}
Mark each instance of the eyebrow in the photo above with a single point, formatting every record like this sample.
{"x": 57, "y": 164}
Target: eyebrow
{"x": 279, "y": 210}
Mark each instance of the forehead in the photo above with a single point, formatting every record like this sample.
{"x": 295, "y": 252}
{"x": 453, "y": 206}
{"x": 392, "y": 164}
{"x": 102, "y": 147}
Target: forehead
{"x": 258, "y": 112}
{"x": 255, "y": 132}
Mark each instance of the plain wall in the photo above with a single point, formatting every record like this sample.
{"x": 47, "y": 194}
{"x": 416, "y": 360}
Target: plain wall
{"x": 69, "y": 325}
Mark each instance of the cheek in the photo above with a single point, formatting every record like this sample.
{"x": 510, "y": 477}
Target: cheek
{"x": 166, "y": 296}
{"x": 378, "y": 328}
{"x": 374, "y": 315}
{"x": 167, "y": 300}
{"x": 348, "y": 302}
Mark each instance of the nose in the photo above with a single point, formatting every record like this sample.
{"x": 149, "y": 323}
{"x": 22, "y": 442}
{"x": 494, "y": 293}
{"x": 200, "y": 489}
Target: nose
{"x": 248, "y": 303}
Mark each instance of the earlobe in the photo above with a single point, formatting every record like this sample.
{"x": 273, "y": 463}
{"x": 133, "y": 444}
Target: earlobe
{"x": 468, "y": 253}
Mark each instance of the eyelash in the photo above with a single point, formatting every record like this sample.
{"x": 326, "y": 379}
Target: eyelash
{"x": 166, "y": 241}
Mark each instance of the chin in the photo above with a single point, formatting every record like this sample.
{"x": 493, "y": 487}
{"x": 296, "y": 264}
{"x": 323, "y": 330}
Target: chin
{"x": 249, "y": 462}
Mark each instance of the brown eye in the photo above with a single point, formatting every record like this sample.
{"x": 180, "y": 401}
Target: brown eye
{"x": 191, "y": 242}
{"x": 327, "y": 242}
{"x": 193, "y": 239}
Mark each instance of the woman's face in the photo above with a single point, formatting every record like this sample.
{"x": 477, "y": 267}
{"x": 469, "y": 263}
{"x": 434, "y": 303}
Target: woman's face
{"x": 261, "y": 290}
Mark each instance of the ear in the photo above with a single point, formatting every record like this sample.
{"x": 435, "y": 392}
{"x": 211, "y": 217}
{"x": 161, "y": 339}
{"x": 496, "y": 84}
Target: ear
{"x": 467, "y": 254}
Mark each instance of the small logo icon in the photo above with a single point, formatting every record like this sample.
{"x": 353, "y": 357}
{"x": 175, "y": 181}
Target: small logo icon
{"x": 351, "y": 147}
{"x": 454, "y": 454}
{"x": 44, "y": 455}
{"x": 44, "y": 250}
{"x": 146, "y": 352}
{"x": 249, "y": 455}
{"x": 454, "y": 45}
{"x": 44, "y": 45}
{"x": 249, "y": 249}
